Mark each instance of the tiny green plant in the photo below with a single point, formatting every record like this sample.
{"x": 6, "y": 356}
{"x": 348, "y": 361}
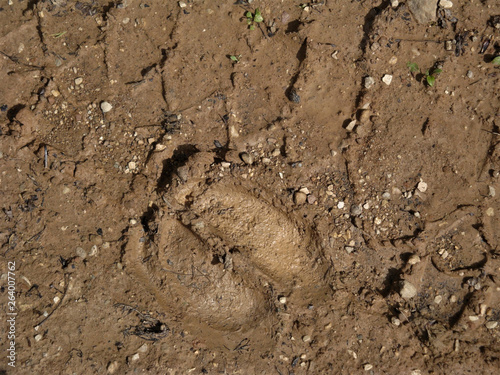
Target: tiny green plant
{"x": 496, "y": 61}
{"x": 253, "y": 18}
{"x": 430, "y": 75}
{"x": 58, "y": 35}
{"x": 235, "y": 59}
{"x": 413, "y": 67}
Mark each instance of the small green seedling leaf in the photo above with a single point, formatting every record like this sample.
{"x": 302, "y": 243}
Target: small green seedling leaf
{"x": 437, "y": 71}
{"x": 249, "y": 15}
{"x": 235, "y": 59}
{"x": 496, "y": 60}
{"x": 413, "y": 67}
{"x": 252, "y": 27}
{"x": 258, "y": 16}
{"x": 430, "y": 80}
{"x": 58, "y": 35}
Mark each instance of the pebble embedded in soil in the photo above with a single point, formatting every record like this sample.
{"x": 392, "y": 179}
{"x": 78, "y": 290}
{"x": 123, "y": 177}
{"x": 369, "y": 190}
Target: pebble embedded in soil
{"x": 407, "y": 290}
{"x": 78, "y": 81}
{"x": 247, "y": 158}
{"x": 387, "y": 79}
{"x": 106, "y": 107}
{"x": 356, "y": 210}
{"x": 81, "y": 252}
{"x": 282, "y": 300}
{"x": 350, "y": 126}
{"x": 293, "y": 96}
{"x": 446, "y": 4}
{"x": 311, "y": 199}
{"x": 491, "y": 324}
{"x": 369, "y": 82}
{"x": 490, "y": 212}
{"x": 112, "y": 367}
{"x": 422, "y": 186}
{"x": 414, "y": 259}
{"x": 306, "y": 338}
{"x": 299, "y": 197}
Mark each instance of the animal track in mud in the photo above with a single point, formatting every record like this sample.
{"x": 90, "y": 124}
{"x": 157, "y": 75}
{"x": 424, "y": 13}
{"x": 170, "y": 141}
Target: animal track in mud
{"x": 221, "y": 251}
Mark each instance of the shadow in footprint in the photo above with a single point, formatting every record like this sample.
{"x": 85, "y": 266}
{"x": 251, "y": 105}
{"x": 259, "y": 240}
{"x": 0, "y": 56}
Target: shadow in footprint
{"x": 178, "y": 159}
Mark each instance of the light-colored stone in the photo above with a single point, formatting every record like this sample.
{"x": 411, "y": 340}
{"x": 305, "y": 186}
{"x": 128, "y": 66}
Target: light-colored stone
{"x": 112, "y": 367}
{"x": 81, "y": 252}
{"x": 369, "y": 82}
{"x": 491, "y": 324}
{"x": 407, "y": 290}
{"x": 247, "y": 158}
{"x": 299, "y": 197}
{"x": 414, "y": 259}
{"x": 424, "y": 11}
{"x": 78, "y": 81}
{"x": 422, "y": 186}
{"x": 447, "y": 4}
{"x": 106, "y": 107}
{"x": 387, "y": 79}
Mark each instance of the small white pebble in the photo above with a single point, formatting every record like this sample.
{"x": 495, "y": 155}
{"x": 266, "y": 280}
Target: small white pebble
{"x": 368, "y": 367}
{"x": 182, "y": 4}
{"x": 38, "y": 337}
{"x": 387, "y": 79}
{"x": 414, "y": 259}
{"x": 473, "y": 318}
{"x": 106, "y": 107}
{"x": 56, "y": 299}
{"x": 445, "y": 4}
{"x": 282, "y": 300}
{"x": 453, "y": 298}
{"x": 491, "y": 325}
{"x": 306, "y": 338}
{"x": 78, "y": 81}
{"x": 438, "y": 299}
{"x": 422, "y": 186}
{"x": 132, "y": 221}
{"x": 340, "y": 205}
{"x": 135, "y": 357}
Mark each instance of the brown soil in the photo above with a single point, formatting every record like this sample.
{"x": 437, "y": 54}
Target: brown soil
{"x": 224, "y": 217}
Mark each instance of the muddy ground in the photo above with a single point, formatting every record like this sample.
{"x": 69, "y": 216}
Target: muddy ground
{"x": 183, "y": 194}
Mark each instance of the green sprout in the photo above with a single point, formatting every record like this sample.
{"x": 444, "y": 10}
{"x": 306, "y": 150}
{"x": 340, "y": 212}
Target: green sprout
{"x": 430, "y": 75}
{"x": 413, "y": 67}
{"x": 58, "y": 35}
{"x": 253, "y": 18}
{"x": 235, "y": 59}
{"x": 496, "y": 61}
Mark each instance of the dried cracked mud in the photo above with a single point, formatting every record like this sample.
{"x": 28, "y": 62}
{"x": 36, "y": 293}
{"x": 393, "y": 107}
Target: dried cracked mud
{"x": 182, "y": 194}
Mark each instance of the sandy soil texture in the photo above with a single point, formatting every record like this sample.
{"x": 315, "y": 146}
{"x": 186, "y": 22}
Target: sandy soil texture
{"x": 250, "y": 187}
